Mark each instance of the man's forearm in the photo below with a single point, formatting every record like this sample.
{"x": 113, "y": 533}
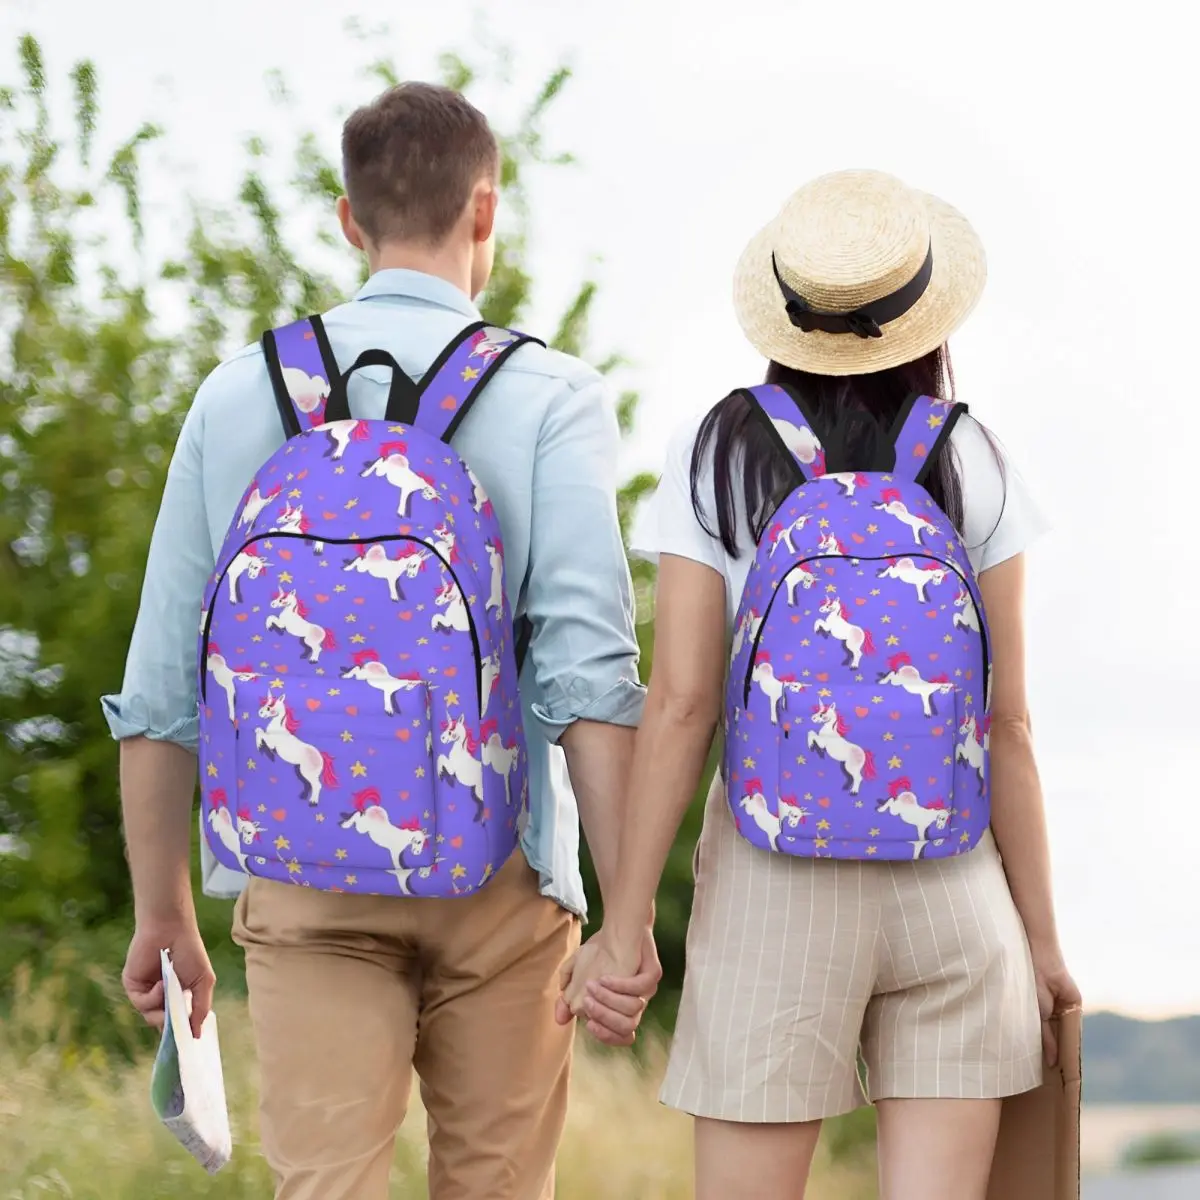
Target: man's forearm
{"x": 598, "y": 758}
{"x": 158, "y": 780}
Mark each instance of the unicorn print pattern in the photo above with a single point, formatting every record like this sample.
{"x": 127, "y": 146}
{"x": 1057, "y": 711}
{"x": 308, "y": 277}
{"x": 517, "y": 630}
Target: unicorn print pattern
{"x": 360, "y": 727}
{"x": 856, "y": 709}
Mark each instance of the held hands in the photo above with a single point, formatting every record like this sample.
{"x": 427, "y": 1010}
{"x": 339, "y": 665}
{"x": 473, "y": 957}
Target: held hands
{"x": 609, "y": 989}
{"x": 142, "y": 977}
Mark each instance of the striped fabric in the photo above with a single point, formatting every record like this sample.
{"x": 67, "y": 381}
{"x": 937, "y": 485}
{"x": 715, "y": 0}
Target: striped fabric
{"x": 796, "y": 967}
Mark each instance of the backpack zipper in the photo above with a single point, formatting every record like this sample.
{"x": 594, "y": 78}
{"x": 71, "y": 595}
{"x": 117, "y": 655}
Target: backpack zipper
{"x": 983, "y": 636}
{"x": 308, "y": 537}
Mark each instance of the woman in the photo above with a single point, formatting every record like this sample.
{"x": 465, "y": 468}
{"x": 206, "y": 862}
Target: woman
{"x": 928, "y": 952}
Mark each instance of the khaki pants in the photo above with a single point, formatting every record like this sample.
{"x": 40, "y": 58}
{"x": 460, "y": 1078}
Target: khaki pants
{"x": 349, "y": 993}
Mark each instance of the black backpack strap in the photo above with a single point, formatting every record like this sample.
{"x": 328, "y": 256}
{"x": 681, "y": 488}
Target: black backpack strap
{"x": 461, "y": 371}
{"x": 303, "y": 372}
{"x": 783, "y": 414}
{"x": 921, "y": 429}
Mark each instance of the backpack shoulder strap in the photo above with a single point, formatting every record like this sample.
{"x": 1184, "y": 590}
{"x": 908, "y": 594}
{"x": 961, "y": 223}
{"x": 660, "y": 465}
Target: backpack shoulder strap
{"x": 450, "y": 387}
{"x": 784, "y": 415}
{"x": 302, "y": 370}
{"x": 921, "y": 429}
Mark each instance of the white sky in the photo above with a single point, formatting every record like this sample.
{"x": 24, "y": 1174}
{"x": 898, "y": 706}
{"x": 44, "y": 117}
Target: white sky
{"x": 1068, "y": 139}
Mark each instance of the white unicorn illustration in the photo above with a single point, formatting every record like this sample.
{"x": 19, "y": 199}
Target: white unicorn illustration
{"x": 342, "y": 433}
{"x": 256, "y": 502}
{"x": 835, "y": 621}
{"x": 746, "y": 631}
{"x": 859, "y": 764}
{"x": 453, "y": 614}
{"x": 227, "y": 677}
{"x": 392, "y": 465}
{"x": 903, "y": 803}
{"x": 791, "y": 812}
{"x": 801, "y": 575}
{"x": 495, "y": 553}
{"x": 292, "y": 519}
{"x": 293, "y": 619}
{"x": 460, "y": 764}
{"x": 849, "y": 481}
{"x": 489, "y": 677}
{"x": 445, "y": 542}
{"x": 498, "y": 756}
{"x": 901, "y": 673}
{"x": 235, "y": 832}
{"x": 774, "y": 687}
{"x": 781, "y": 535}
{"x": 803, "y": 444}
{"x": 915, "y": 574}
{"x": 830, "y": 544}
{"x": 370, "y": 670}
{"x": 489, "y": 342}
{"x": 895, "y": 507}
{"x": 973, "y": 748}
{"x": 374, "y": 561}
{"x": 967, "y": 617}
{"x": 314, "y": 767}
{"x": 243, "y": 563}
{"x": 370, "y": 818}
{"x": 479, "y": 501}
{"x": 756, "y": 806}
{"x": 308, "y": 392}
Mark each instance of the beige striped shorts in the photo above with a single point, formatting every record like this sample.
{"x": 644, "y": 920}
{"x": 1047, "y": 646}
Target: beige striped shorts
{"x": 814, "y": 985}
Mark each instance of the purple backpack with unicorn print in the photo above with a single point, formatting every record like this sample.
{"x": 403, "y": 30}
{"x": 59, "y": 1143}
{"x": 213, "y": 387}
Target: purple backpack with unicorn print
{"x": 360, "y": 728}
{"x": 856, "y": 712}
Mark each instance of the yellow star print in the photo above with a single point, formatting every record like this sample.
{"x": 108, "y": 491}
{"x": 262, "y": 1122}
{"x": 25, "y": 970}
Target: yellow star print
{"x": 281, "y": 843}
{"x": 212, "y": 769}
{"x": 470, "y": 373}
{"x": 451, "y": 697}
{"x": 358, "y": 769}
{"x": 339, "y": 853}
{"x": 871, "y": 850}
{"x": 894, "y": 761}
{"x": 458, "y": 871}
{"x": 347, "y": 736}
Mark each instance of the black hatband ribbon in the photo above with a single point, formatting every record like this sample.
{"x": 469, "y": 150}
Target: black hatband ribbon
{"x": 866, "y": 321}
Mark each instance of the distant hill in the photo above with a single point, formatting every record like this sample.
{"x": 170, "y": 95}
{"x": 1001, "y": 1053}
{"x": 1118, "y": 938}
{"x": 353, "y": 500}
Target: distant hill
{"x": 1126, "y": 1061}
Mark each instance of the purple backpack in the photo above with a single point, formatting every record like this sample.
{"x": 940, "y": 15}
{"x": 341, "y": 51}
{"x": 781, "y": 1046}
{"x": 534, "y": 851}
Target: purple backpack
{"x": 360, "y": 728}
{"x": 856, "y": 713}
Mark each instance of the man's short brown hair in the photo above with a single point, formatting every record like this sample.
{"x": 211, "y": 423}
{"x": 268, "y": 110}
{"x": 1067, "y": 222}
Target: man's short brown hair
{"x": 410, "y": 159}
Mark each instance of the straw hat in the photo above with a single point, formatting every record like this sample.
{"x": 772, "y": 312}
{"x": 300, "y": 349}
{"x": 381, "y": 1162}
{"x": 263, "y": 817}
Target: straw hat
{"x": 858, "y": 273}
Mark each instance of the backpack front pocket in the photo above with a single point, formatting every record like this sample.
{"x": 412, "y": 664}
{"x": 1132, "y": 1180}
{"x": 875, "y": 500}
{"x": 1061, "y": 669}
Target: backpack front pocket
{"x": 869, "y": 775}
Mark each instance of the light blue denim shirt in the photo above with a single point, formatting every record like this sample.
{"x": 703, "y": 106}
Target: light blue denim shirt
{"x": 542, "y": 439}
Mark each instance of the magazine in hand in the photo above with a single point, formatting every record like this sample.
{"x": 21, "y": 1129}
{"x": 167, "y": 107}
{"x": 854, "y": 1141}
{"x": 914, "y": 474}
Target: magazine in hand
{"x": 187, "y": 1087}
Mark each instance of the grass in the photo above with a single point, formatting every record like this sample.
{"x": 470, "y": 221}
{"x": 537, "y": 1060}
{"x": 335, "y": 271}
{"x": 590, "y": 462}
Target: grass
{"x": 77, "y": 1123}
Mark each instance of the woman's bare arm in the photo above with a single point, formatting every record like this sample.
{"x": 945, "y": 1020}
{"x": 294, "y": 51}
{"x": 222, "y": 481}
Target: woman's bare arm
{"x": 1018, "y": 813}
{"x": 683, "y": 706}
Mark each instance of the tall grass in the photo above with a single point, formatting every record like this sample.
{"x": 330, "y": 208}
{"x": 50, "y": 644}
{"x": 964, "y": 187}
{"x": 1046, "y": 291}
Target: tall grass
{"x": 77, "y": 1123}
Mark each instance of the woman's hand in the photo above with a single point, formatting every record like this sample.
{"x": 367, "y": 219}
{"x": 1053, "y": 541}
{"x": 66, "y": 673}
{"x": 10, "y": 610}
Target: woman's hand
{"x": 609, "y": 988}
{"x": 1056, "y": 993}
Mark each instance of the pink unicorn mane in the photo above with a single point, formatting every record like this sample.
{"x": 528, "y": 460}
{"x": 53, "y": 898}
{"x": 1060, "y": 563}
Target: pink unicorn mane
{"x": 899, "y": 785}
{"x": 218, "y": 797}
{"x": 412, "y": 824}
{"x": 490, "y": 726}
{"x": 387, "y": 449}
{"x": 899, "y": 660}
{"x": 943, "y": 678}
{"x": 842, "y": 726}
{"x": 365, "y": 656}
{"x": 360, "y": 431}
{"x": 367, "y": 798}
{"x": 301, "y": 608}
{"x": 753, "y": 786}
{"x": 889, "y": 494}
{"x": 289, "y": 719}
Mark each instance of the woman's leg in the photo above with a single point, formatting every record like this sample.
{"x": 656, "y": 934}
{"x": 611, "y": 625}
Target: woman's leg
{"x": 936, "y": 1149}
{"x": 753, "y": 1162}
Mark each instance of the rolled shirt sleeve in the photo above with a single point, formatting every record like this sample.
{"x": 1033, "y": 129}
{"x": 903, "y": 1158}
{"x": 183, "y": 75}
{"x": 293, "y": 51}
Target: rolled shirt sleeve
{"x": 579, "y": 594}
{"x": 158, "y": 697}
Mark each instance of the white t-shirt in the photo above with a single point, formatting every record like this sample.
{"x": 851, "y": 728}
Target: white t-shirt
{"x": 1000, "y": 518}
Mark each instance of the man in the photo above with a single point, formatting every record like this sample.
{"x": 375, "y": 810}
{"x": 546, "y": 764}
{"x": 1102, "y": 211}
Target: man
{"x": 349, "y": 992}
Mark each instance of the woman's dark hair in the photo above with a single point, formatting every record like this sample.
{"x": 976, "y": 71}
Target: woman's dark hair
{"x": 853, "y": 417}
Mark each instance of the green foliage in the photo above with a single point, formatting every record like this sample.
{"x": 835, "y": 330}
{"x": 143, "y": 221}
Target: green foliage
{"x": 1162, "y": 1149}
{"x": 93, "y": 386}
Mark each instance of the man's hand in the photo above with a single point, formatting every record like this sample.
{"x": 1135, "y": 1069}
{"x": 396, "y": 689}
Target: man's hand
{"x": 609, "y": 990}
{"x": 142, "y": 977}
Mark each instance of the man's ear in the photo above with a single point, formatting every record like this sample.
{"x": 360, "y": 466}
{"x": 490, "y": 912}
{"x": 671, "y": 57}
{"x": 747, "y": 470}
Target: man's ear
{"x": 486, "y": 198}
{"x": 350, "y": 229}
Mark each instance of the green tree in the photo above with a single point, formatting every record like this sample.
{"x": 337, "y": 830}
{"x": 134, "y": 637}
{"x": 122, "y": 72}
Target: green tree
{"x": 93, "y": 386}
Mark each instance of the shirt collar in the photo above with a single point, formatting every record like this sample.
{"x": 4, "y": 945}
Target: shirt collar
{"x": 416, "y": 285}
